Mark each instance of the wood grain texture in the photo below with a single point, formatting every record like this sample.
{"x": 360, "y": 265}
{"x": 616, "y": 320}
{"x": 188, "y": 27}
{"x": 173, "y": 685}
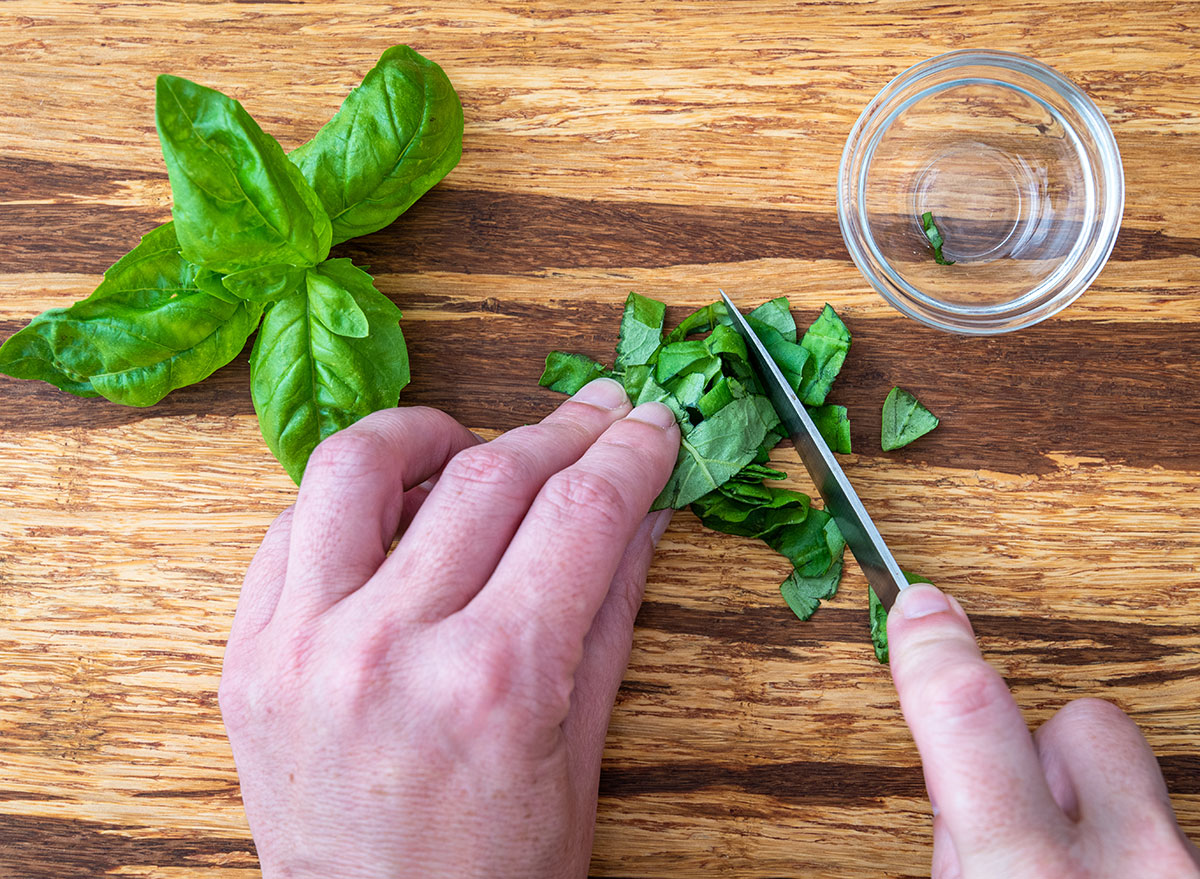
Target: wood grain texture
{"x": 668, "y": 148}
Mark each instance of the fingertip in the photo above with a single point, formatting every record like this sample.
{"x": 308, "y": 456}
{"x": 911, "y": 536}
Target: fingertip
{"x": 654, "y": 413}
{"x": 920, "y": 600}
{"x": 602, "y": 393}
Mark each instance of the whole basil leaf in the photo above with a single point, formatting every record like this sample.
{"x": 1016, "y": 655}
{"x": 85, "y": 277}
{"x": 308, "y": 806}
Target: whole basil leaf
{"x": 827, "y": 341}
{"x": 904, "y": 420}
{"x": 395, "y": 136}
{"x": 145, "y": 331}
{"x": 308, "y": 382}
{"x": 238, "y": 202}
{"x": 264, "y": 284}
{"x": 331, "y": 288}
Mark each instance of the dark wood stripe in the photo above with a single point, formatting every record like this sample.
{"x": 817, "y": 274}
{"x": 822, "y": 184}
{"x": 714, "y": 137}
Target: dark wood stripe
{"x": 470, "y": 231}
{"x": 1128, "y": 396}
{"x": 60, "y": 848}
{"x": 31, "y": 796}
{"x": 801, "y": 781}
{"x": 816, "y": 783}
{"x": 228, "y": 792}
{"x": 1044, "y": 641}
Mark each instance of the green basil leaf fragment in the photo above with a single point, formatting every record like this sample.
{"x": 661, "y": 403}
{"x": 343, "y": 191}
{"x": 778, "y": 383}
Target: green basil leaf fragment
{"x": 641, "y": 330}
{"x": 567, "y": 373}
{"x": 145, "y": 331}
{"x": 395, "y": 136}
{"x": 904, "y": 420}
{"x": 714, "y": 451}
{"x": 934, "y": 235}
{"x": 834, "y": 426}
{"x": 238, "y": 202}
{"x": 308, "y": 381}
{"x": 827, "y": 341}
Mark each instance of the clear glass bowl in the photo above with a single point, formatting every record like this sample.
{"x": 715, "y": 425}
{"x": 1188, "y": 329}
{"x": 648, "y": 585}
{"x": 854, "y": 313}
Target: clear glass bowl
{"x": 1020, "y": 172}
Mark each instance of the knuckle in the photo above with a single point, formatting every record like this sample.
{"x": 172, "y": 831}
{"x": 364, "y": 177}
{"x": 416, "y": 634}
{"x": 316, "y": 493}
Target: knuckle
{"x": 575, "y": 493}
{"x": 486, "y": 466}
{"x": 965, "y": 693}
{"x": 347, "y": 454}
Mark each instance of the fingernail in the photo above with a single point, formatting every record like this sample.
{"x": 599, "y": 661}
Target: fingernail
{"x": 653, "y": 413}
{"x": 660, "y": 525}
{"x": 921, "y": 600}
{"x": 603, "y": 393}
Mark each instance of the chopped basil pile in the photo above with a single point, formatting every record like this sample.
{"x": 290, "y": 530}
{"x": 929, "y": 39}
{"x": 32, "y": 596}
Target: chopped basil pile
{"x": 701, "y": 370}
{"x": 250, "y": 242}
{"x": 904, "y": 420}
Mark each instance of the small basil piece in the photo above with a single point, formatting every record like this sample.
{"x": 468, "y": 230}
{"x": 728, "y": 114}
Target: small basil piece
{"x": 567, "y": 373}
{"x": 641, "y": 330}
{"x": 395, "y": 136}
{"x": 934, "y": 235}
{"x": 145, "y": 331}
{"x": 827, "y": 341}
{"x": 238, "y": 202}
{"x": 834, "y": 426}
{"x": 308, "y": 382}
{"x": 329, "y": 287}
{"x": 904, "y": 420}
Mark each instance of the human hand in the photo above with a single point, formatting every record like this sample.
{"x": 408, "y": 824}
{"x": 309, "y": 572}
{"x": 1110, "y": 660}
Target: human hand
{"x": 441, "y": 712}
{"x": 1083, "y": 798}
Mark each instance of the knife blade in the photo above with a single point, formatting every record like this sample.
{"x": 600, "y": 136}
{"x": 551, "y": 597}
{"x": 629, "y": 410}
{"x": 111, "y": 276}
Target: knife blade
{"x": 841, "y": 500}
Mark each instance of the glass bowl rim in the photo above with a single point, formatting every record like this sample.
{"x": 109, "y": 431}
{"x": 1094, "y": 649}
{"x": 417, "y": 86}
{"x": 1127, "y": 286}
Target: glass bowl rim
{"x": 1025, "y": 310}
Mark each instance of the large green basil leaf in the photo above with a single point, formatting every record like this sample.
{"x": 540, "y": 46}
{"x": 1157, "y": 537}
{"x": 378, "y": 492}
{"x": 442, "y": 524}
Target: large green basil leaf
{"x": 145, "y": 331}
{"x": 308, "y": 382}
{"x": 238, "y": 202}
{"x": 395, "y": 136}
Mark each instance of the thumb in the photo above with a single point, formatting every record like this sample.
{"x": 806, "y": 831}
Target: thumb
{"x": 981, "y": 766}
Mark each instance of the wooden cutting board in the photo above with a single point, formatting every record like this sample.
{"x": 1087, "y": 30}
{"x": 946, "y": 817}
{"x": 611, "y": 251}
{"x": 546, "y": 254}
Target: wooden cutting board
{"x": 670, "y": 149}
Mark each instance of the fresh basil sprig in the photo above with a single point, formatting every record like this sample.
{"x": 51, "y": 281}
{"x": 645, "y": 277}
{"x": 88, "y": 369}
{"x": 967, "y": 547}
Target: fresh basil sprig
{"x": 729, "y": 426}
{"x": 250, "y": 236}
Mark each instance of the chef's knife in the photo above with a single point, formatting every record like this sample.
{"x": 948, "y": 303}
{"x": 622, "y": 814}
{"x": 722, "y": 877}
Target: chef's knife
{"x": 841, "y": 501}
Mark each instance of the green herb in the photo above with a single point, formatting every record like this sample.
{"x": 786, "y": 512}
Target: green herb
{"x": 250, "y": 237}
{"x": 935, "y": 239}
{"x": 904, "y": 419}
{"x": 728, "y": 425}
{"x": 879, "y": 616}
